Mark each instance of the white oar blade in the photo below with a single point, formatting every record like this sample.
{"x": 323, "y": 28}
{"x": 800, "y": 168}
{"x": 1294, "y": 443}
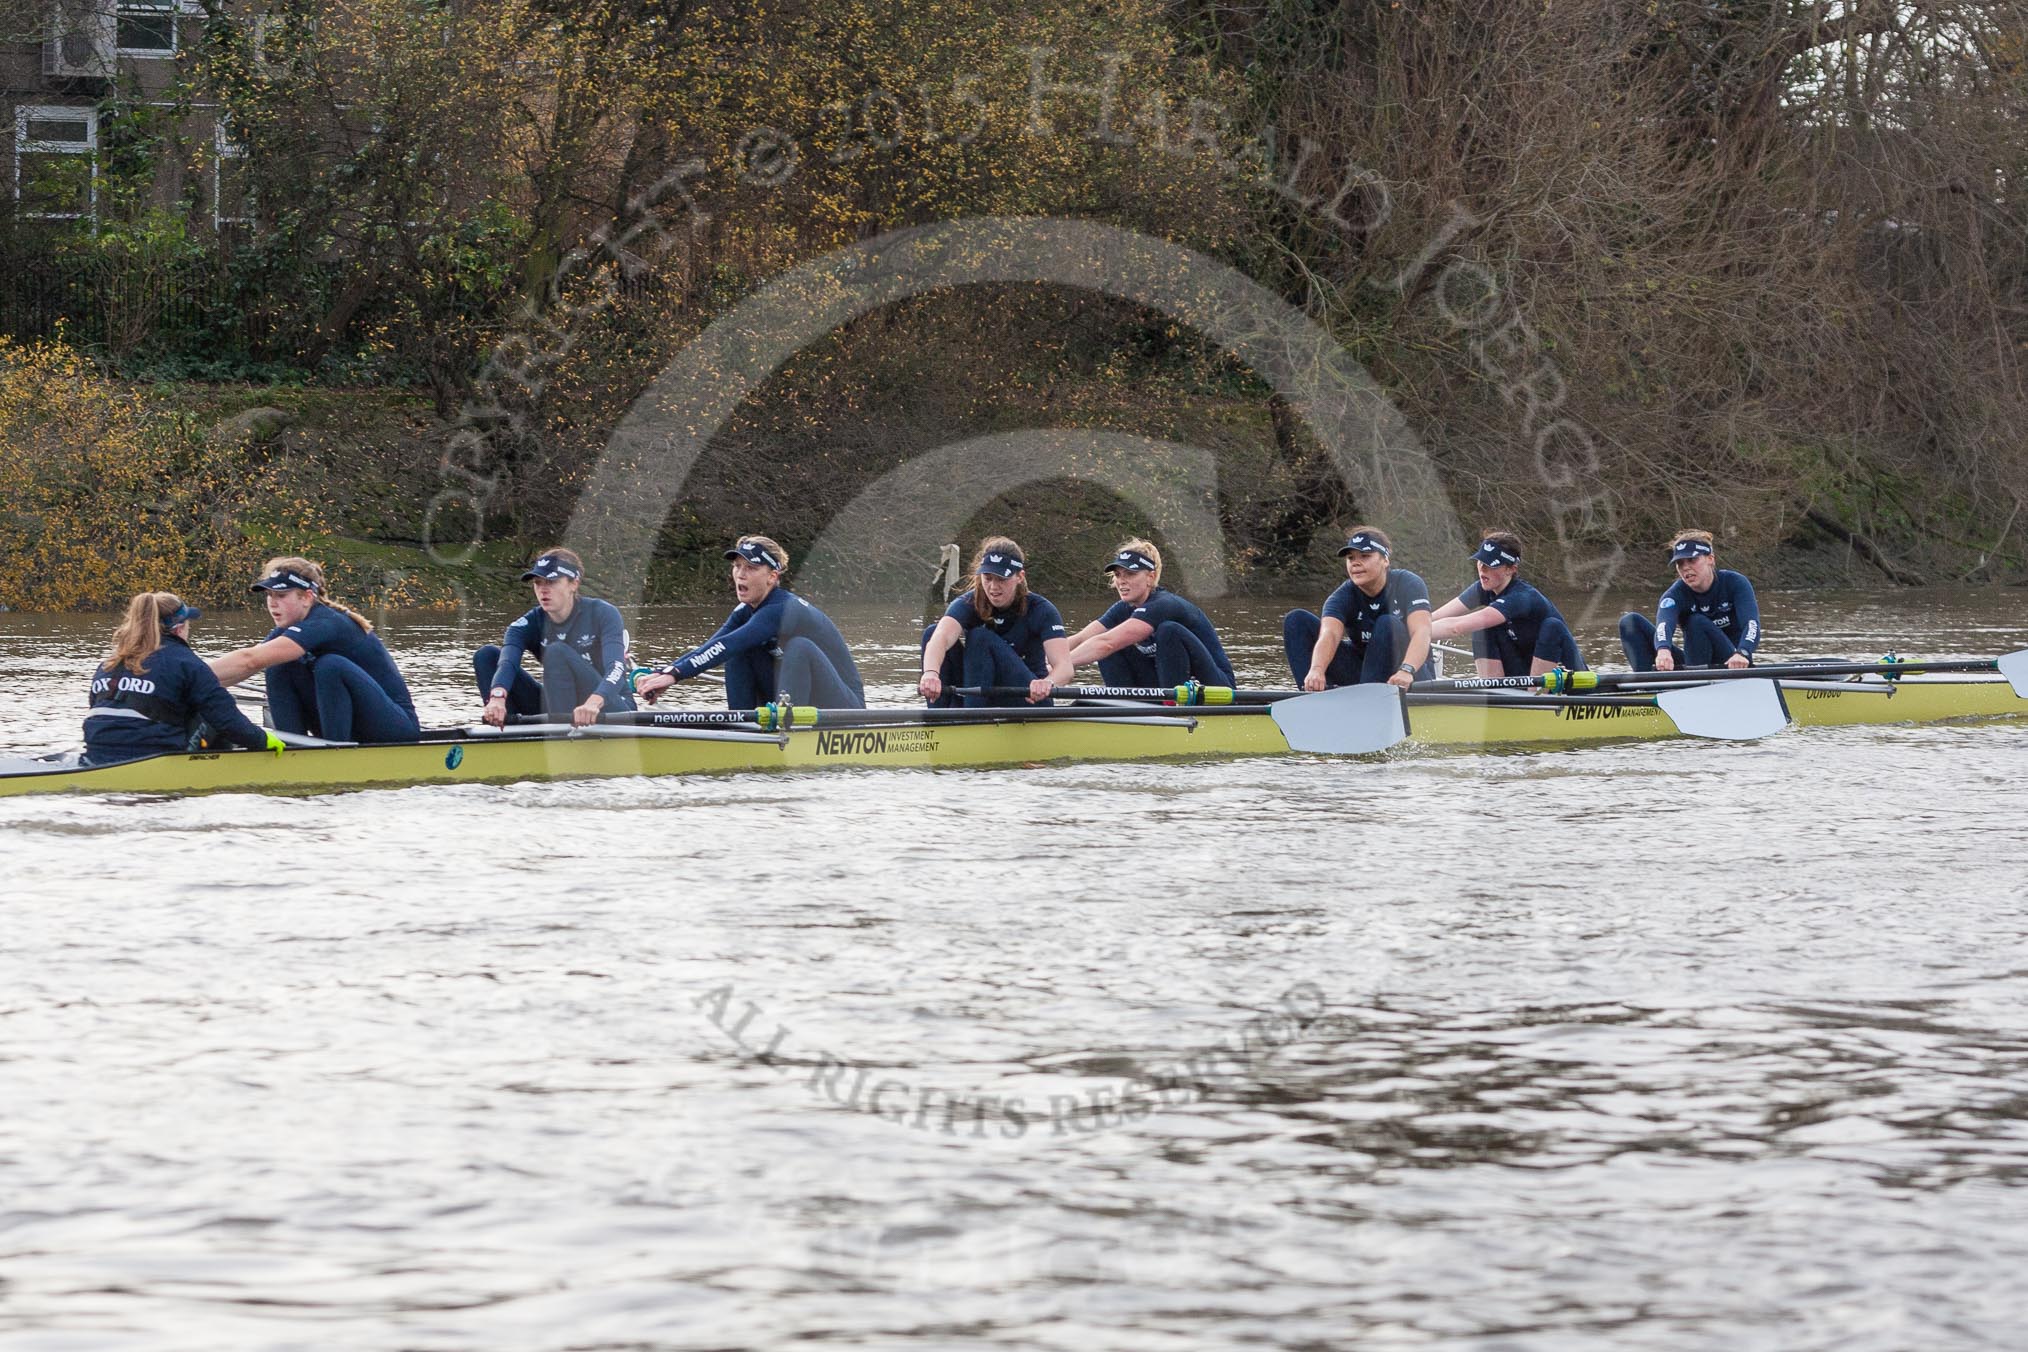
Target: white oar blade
{"x": 1353, "y": 720}
{"x": 1729, "y": 710}
{"x": 2014, "y": 666}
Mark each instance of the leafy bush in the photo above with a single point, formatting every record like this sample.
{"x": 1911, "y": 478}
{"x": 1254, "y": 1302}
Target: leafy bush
{"x": 102, "y": 496}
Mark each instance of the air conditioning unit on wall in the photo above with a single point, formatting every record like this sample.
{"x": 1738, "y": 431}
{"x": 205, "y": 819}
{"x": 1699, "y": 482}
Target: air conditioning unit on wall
{"x": 83, "y": 36}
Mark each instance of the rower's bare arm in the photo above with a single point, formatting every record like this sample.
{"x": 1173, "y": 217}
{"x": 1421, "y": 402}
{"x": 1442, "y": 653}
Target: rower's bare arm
{"x": 1062, "y": 671}
{"x": 1329, "y": 635}
{"x": 233, "y": 667}
{"x": 1448, "y": 625}
{"x": 1090, "y": 631}
{"x": 1454, "y": 606}
{"x": 1090, "y": 647}
{"x": 1418, "y": 646}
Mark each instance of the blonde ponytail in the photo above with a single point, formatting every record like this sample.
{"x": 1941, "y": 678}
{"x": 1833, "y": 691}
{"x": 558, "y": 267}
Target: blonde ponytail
{"x": 140, "y": 631}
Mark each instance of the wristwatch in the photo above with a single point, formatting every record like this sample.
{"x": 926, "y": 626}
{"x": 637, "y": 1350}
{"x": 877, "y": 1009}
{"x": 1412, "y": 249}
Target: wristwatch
{"x": 1407, "y": 667}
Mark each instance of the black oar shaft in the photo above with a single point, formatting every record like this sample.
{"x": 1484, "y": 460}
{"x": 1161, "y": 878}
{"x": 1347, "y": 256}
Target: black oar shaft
{"x": 808, "y": 717}
{"x": 1194, "y": 697}
{"x": 1566, "y": 681}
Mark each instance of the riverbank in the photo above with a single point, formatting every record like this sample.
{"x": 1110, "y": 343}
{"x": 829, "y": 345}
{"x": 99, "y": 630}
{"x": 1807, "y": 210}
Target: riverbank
{"x": 350, "y": 475}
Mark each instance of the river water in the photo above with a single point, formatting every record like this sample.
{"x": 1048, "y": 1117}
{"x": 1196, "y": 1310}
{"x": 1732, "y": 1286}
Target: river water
{"x": 1680, "y": 1045}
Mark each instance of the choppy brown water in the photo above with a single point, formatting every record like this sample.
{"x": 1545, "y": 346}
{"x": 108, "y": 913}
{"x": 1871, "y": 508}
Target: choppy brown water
{"x": 1679, "y": 1045}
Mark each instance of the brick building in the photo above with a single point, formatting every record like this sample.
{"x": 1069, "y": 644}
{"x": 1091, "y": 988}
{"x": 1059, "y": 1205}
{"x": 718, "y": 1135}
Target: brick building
{"x": 65, "y": 65}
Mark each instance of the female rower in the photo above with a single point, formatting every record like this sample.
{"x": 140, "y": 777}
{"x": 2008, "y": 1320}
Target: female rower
{"x": 1515, "y": 629}
{"x": 1375, "y": 626}
{"x": 1149, "y": 637}
{"x": 327, "y": 671}
{"x": 1715, "y": 606}
{"x": 580, "y": 641}
{"x": 153, "y": 695}
{"x": 774, "y": 642}
{"x": 997, "y": 634}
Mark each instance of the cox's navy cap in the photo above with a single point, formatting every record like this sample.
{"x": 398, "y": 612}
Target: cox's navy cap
{"x": 1002, "y": 563}
{"x": 754, "y": 553}
{"x": 1362, "y": 543}
{"x": 180, "y": 615}
{"x": 1130, "y": 561}
{"x": 547, "y": 567}
{"x": 282, "y": 580}
{"x": 1492, "y": 555}
{"x": 1688, "y": 549}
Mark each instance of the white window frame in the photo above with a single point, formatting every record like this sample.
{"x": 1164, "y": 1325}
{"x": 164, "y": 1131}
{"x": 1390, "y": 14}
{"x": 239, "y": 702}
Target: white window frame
{"x": 26, "y": 112}
{"x": 224, "y": 148}
{"x": 174, "y": 9}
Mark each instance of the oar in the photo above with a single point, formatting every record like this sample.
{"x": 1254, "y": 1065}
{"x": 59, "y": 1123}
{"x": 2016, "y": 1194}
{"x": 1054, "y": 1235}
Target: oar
{"x": 2014, "y": 666}
{"x": 1353, "y": 720}
{"x": 1190, "y": 694}
{"x": 772, "y": 717}
{"x": 1732, "y": 710}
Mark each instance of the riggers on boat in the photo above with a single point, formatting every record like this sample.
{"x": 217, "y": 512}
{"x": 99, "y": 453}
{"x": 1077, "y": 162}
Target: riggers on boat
{"x": 1465, "y": 721}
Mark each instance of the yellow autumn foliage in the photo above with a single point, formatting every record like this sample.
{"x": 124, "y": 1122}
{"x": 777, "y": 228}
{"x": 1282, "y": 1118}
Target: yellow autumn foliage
{"x": 102, "y": 495}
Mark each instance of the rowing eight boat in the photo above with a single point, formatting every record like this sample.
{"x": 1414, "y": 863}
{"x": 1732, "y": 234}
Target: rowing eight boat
{"x": 1465, "y": 721}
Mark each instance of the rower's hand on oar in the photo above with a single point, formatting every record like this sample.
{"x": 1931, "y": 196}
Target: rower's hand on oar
{"x": 648, "y": 687}
{"x": 495, "y": 712}
{"x": 1040, "y": 689}
{"x": 587, "y": 713}
{"x": 1404, "y": 679}
{"x": 1665, "y": 660}
{"x": 931, "y": 686}
{"x": 1739, "y": 662}
{"x": 274, "y": 743}
{"x": 1314, "y": 682}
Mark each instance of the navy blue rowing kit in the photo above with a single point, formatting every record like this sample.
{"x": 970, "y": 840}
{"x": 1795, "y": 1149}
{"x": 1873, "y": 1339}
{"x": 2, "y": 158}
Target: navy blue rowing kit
{"x": 782, "y": 644}
{"x": 1716, "y": 623}
{"x": 1184, "y": 646}
{"x": 1532, "y": 628}
{"x": 166, "y": 707}
{"x": 344, "y": 687}
{"x": 1376, "y": 631}
{"x": 1007, "y": 650}
{"x": 583, "y": 655}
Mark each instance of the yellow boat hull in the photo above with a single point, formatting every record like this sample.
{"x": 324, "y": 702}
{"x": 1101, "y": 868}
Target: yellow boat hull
{"x": 1521, "y": 722}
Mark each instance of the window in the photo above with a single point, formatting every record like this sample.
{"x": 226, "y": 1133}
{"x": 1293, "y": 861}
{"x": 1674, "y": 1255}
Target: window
{"x": 231, "y": 203}
{"x": 56, "y": 162}
{"x": 146, "y": 29}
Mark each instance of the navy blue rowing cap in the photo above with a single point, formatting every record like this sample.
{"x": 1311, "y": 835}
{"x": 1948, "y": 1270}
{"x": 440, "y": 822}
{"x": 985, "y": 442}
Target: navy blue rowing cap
{"x": 1688, "y": 549}
{"x": 281, "y": 580}
{"x": 181, "y": 615}
{"x": 1001, "y": 563}
{"x": 549, "y": 568}
{"x": 1492, "y": 555}
{"x": 1130, "y": 561}
{"x": 1362, "y": 543}
{"x": 754, "y": 553}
